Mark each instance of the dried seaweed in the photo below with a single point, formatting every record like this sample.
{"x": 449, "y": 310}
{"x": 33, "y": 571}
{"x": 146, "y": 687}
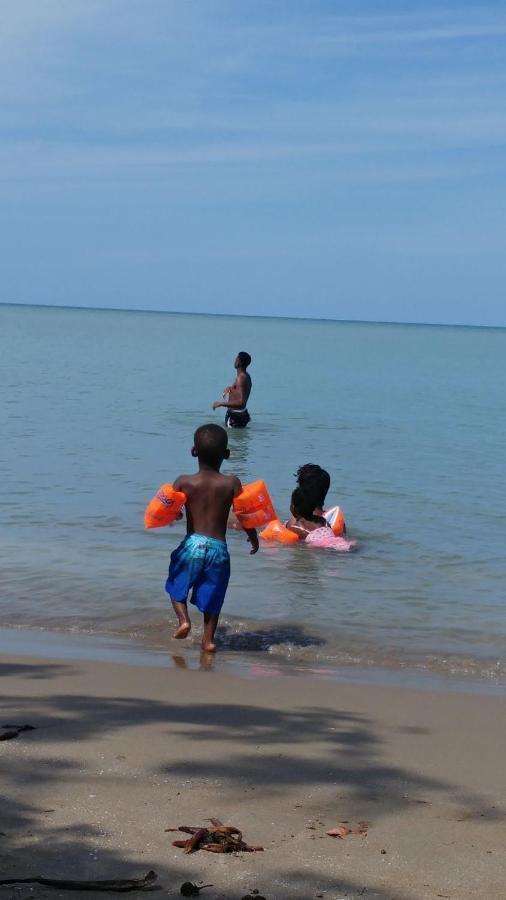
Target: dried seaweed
{"x": 217, "y": 838}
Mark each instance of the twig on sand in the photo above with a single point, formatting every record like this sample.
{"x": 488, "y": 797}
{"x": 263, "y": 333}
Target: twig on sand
{"x": 189, "y": 889}
{"x": 14, "y": 730}
{"x": 120, "y": 885}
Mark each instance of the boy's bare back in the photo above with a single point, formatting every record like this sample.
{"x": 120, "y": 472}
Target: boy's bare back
{"x": 209, "y": 498}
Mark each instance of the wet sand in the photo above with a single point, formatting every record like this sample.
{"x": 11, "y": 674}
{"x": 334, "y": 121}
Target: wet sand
{"x": 121, "y": 753}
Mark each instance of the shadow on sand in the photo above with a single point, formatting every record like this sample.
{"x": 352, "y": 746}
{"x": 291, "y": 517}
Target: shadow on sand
{"x": 349, "y": 755}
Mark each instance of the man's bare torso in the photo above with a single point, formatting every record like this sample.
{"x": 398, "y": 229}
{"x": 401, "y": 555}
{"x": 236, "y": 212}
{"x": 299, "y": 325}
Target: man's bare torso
{"x": 239, "y": 392}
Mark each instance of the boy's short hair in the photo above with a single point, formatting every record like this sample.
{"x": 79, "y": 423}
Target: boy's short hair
{"x": 314, "y": 481}
{"x": 211, "y": 442}
{"x": 244, "y": 358}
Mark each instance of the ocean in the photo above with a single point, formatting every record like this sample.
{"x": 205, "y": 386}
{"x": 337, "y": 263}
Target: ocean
{"x": 98, "y": 408}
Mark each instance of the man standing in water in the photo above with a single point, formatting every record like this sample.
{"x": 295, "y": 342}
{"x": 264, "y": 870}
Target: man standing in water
{"x": 236, "y": 396}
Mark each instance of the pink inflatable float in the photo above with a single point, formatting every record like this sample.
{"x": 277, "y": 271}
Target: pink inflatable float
{"x": 325, "y": 538}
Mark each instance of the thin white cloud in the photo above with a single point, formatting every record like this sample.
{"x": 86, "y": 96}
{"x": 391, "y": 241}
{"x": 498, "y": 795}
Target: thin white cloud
{"x": 405, "y": 126}
{"x": 344, "y": 165}
{"x": 340, "y": 34}
{"x": 419, "y": 34}
{"x": 291, "y": 129}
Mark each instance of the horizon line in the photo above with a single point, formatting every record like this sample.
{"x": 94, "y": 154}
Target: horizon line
{"x": 178, "y": 312}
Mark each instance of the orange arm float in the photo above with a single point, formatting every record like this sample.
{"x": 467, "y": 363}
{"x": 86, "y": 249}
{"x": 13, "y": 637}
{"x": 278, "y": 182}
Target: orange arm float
{"x": 335, "y": 518}
{"x": 276, "y": 531}
{"x": 253, "y": 506}
{"x": 164, "y": 507}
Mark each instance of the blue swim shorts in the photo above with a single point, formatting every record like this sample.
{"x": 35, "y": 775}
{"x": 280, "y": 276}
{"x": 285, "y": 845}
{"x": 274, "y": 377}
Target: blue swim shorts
{"x": 201, "y": 563}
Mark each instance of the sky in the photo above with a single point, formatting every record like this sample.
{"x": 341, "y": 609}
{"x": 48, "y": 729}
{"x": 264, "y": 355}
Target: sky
{"x": 342, "y": 160}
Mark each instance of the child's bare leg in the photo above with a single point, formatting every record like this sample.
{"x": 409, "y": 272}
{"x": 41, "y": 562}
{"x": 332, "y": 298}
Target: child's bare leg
{"x": 210, "y": 623}
{"x": 183, "y": 618}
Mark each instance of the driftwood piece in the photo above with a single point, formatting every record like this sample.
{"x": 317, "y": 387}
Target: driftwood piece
{"x": 120, "y": 885}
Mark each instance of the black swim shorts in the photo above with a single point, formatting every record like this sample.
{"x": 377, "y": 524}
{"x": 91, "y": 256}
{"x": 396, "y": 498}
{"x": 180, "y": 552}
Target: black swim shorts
{"x": 237, "y": 418}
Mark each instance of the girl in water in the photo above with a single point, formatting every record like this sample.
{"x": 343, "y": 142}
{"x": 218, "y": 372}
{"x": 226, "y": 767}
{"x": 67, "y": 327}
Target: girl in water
{"x": 311, "y": 528}
{"x": 315, "y": 483}
{"x": 303, "y": 518}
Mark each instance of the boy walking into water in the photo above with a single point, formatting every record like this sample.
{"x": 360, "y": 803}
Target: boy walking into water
{"x": 201, "y": 563}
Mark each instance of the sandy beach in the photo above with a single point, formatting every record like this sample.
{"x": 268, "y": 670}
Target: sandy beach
{"x": 121, "y": 753}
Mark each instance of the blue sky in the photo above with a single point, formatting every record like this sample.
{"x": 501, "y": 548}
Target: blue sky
{"x": 334, "y": 159}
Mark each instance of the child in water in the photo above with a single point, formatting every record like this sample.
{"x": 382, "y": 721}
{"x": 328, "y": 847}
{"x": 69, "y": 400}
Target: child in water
{"x": 303, "y": 519}
{"x": 315, "y": 483}
{"x": 311, "y": 528}
{"x": 201, "y": 563}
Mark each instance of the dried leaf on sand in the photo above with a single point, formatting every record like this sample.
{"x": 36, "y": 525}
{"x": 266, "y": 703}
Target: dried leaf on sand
{"x": 342, "y": 831}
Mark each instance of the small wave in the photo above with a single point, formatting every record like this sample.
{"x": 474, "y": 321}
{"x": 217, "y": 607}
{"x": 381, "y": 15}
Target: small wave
{"x": 292, "y": 648}
{"x": 250, "y": 640}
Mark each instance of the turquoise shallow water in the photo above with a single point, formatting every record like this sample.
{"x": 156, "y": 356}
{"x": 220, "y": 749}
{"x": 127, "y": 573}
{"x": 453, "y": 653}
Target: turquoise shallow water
{"x": 98, "y": 408}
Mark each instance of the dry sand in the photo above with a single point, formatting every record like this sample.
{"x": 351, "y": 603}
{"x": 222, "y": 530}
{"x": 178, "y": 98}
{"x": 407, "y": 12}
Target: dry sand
{"x": 121, "y": 753}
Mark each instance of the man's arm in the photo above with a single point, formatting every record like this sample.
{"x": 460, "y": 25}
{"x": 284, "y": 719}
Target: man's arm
{"x": 238, "y": 390}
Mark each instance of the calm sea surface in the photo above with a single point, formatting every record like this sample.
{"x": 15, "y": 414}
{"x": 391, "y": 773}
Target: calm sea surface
{"x": 98, "y": 408}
